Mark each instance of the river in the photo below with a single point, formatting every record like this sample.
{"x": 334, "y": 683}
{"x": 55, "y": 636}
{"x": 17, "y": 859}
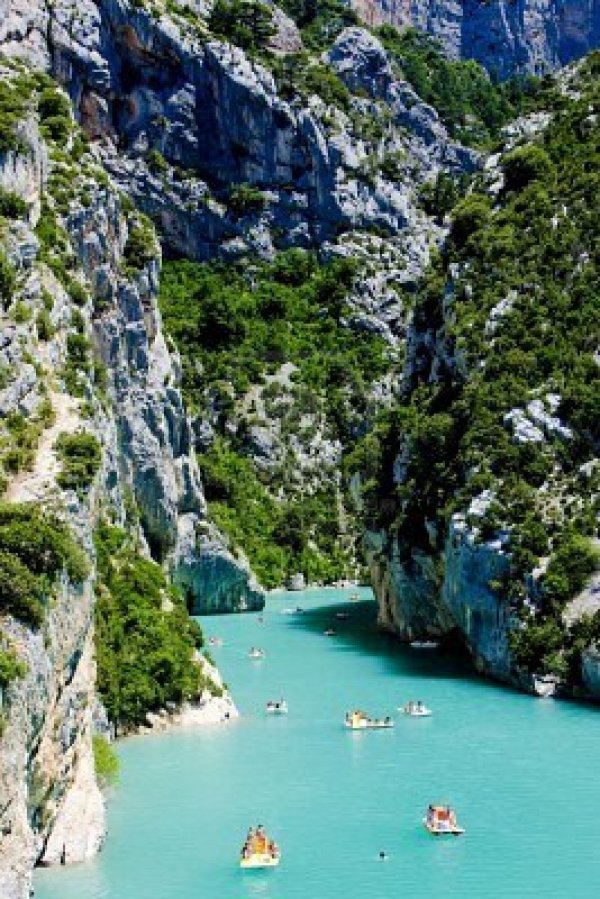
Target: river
{"x": 521, "y": 772}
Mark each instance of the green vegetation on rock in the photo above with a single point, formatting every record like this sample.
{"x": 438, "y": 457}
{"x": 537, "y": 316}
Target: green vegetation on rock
{"x": 35, "y": 548}
{"x": 237, "y": 329}
{"x": 145, "y": 640}
{"x": 106, "y": 761}
{"x": 246, "y": 23}
{"x": 81, "y": 457}
{"x": 11, "y": 666}
{"x": 512, "y": 301}
{"x": 12, "y": 206}
{"x": 470, "y": 103}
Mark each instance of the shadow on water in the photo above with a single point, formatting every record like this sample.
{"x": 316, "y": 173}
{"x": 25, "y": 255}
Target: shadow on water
{"x": 360, "y": 632}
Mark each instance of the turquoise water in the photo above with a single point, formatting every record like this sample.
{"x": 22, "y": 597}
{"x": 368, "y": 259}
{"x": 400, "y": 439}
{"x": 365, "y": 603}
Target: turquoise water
{"x": 522, "y": 774}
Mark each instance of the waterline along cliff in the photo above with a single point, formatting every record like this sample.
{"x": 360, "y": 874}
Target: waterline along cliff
{"x": 284, "y": 297}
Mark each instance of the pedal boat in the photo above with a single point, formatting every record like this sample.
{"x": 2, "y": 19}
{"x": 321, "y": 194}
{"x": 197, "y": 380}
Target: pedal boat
{"x": 416, "y": 711}
{"x": 361, "y": 721}
{"x": 259, "y": 852}
{"x": 277, "y": 708}
{"x": 441, "y": 821}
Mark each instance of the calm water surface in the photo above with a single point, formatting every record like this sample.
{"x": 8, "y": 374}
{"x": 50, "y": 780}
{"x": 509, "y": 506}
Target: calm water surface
{"x": 522, "y": 774}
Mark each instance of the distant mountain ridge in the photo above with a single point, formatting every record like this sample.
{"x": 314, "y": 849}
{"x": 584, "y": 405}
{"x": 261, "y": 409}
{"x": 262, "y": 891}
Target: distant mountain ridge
{"x": 506, "y": 36}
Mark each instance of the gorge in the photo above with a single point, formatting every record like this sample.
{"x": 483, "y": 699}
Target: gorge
{"x": 284, "y": 295}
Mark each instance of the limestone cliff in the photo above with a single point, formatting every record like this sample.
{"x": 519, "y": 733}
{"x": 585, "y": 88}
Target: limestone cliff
{"x": 82, "y": 353}
{"x": 483, "y": 523}
{"x": 506, "y": 36}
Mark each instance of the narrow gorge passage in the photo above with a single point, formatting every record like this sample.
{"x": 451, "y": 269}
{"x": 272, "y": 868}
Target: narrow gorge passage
{"x": 517, "y": 770}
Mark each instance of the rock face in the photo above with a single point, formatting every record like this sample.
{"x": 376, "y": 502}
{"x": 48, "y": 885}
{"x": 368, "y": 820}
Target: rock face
{"x": 154, "y": 453}
{"x": 419, "y": 599}
{"x": 442, "y": 573}
{"x": 142, "y": 83}
{"x": 506, "y": 36}
{"x": 51, "y": 809}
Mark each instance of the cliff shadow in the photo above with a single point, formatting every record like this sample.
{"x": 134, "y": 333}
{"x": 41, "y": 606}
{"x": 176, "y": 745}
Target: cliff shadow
{"x": 360, "y": 631}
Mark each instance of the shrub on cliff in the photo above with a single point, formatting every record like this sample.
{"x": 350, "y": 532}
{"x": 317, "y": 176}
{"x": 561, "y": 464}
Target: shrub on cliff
{"x": 246, "y": 23}
{"x": 11, "y": 666}
{"x": 468, "y": 217}
{"x": 12, "y": 206}
{"x": 524, "y": 165}
{"x": 245, "y": 199}
{"x": 572, "y": 562}
{"x": 140, "y": 247}
{"x": 106, "y": 761}
{"x": 81, "y": 456}
{"x": 13, "y": 109}
{"x": 35, "y": 548}
{"x": 8, "y": 280}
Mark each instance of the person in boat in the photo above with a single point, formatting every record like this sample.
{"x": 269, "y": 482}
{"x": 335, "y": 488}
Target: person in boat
{"x": 260, "y": 840}
{"x": 387, "y": 720}
{"x": 419, "y": 706}
{"x": 430, "y": 815}
{"x": 383, "y": 856}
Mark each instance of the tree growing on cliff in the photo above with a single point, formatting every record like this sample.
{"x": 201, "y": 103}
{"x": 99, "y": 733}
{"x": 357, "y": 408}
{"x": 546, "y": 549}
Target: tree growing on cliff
{"x": 246, "y": 23}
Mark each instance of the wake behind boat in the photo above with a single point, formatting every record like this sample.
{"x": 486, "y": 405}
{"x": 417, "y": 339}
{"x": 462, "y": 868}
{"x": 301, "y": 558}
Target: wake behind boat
{"x": 358, "y": 720}
{"x": 259, "y": 851}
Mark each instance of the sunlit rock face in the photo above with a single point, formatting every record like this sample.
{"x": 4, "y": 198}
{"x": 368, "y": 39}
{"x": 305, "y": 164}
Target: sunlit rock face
{"x": 506, "y": 36}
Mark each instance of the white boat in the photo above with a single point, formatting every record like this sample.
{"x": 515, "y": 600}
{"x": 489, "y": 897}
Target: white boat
{"x": 354, "y": 596}
{"x": 256, "y": 653}
{"x": 342, "y": 616}
{"x": 361, "y": 721}
{"x": 260, "y": 860}
{"x": 416, "y": 710}
{"x": 288, "y": 612}
{"x": 424, "y": 644}
{"x": 215, "y": 641}
{"x": 329, "y": 632}
{"x": 277, "y": 708}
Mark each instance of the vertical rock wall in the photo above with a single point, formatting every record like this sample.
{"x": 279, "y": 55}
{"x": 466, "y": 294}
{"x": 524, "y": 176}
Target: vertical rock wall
{"x": 506, "y": 36}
